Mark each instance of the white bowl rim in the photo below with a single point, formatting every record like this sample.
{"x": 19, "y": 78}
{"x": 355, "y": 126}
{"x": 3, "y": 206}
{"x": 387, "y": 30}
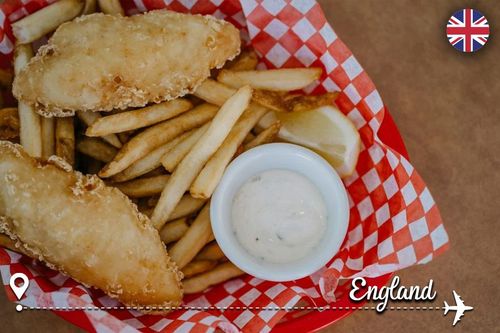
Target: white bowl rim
{"x": 330, "y": 186}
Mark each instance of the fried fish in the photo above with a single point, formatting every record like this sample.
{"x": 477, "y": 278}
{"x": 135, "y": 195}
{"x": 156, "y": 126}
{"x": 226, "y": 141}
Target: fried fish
{"x": 85, "y": 229}
{"x": 102, "y": 62}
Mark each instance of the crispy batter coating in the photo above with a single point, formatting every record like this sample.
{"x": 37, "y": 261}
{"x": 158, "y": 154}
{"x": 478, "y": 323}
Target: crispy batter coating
{"x": 81, "y": 227}
{"x": 102, "y": 62}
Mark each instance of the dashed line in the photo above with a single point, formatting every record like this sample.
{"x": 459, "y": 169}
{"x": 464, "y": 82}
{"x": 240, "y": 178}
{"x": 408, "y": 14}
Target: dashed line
{"x": 227, "y": 308}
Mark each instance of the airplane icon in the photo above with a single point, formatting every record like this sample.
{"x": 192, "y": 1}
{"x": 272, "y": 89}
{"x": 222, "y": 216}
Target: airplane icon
{"x": 460, "y": 308}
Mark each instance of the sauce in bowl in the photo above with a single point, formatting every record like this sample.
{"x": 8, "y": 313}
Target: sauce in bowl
{"x": 279, "y": 216}
{"x": 280, "y": 212}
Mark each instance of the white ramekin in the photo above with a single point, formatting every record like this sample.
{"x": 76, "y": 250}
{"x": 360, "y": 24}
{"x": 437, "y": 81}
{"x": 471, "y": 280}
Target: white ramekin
{"x": 294, "y": 158}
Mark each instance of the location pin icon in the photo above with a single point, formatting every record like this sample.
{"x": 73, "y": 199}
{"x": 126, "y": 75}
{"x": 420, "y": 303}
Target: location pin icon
{"x": 19, "y": 291}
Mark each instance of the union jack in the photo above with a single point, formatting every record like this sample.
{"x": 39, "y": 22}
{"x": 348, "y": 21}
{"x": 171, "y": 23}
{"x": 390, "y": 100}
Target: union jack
{"x": 468, "y": 30}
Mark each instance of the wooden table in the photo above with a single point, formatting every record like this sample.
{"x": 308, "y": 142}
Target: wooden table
{"x": 445, "y": 104}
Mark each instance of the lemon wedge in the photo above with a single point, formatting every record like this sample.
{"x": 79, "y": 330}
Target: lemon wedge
{"x": 325, "y": 130}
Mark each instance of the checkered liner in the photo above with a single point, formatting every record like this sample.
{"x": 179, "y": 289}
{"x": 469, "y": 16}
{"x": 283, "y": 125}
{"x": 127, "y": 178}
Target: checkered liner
{"x": 394, "y": 221}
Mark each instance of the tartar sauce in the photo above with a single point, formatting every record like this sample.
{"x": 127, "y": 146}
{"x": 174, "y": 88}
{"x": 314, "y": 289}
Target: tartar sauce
{"x": 279, "y": 216}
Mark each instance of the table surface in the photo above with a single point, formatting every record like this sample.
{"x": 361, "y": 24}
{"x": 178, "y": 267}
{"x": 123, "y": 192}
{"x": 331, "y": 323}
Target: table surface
{"x": 444, "y": 103}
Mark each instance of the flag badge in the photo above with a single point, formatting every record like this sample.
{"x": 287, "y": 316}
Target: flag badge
{"x": 468, "y": 30}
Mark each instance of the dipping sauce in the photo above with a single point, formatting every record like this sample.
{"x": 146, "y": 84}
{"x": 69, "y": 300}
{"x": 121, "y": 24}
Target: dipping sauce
{"x": 279, "y": 216}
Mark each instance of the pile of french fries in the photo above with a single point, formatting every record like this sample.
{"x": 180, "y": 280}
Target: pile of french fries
{"x": 169, "y": 157}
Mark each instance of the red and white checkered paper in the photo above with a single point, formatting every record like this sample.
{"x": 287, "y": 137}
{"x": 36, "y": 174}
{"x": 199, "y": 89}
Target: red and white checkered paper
{"x": 394, "y": 221}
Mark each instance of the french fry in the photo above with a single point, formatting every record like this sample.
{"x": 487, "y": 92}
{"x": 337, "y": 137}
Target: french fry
{"x": 305, "y": 103}
{"x": 187, "y": 206}
{"x": 30, "y": 130}
{"x": 205, "y": 183}
{"x": 135, "y": 119}
{"x": 89, "y": 7}
{"x": 221, "y": 273}
{"x": 48, "y": 136}
{"x": 45, "y": 20}
{"x": 173, "y": 157}
{"x": 5, "y": 78}
{"x": 247, "y": 60}
{"x": 97, "y": 149}
{"x": 197, "y": 267}
{"x": 286, "y": 102}
{"x": 29, "y": 122}
{"x": 266, "y": 136}
{"x": 9, "y": 123}
{"x": 65, "y": 139}
{"x": 174, "y": 230}
{"x": 149, "y": 162}
{"x": 112, "y": 7}
{"x": 273, "y": 100}
{"x": 217, "y": 93}
{"x": 188, "y": 246}
{"x": 214, "y": 92}
{"x": 143, "y": 187}
{"x": 274, "y": 79}
{"x": 155, "y": 136}
{"x": 89, "y": 118}
{"x": 207, "y": 145}
{"x": 211, "y": 251}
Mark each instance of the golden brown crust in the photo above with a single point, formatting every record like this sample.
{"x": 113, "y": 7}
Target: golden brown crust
{"x": 85, "y": 229}
{"x": 102, "y": 62}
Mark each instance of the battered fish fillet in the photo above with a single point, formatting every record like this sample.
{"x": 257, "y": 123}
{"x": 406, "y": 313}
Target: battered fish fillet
{"x": 101, "y": 62}
{"x": 81, "y": 227}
